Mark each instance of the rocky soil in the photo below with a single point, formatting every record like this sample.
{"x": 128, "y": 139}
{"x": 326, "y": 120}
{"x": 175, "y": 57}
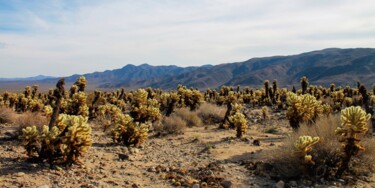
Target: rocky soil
{"x": 202, "y": 157}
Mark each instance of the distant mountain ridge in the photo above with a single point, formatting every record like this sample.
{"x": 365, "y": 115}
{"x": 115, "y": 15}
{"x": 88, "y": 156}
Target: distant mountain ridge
{"x": 39, "y": 77}
{"x": 322, "y": 67}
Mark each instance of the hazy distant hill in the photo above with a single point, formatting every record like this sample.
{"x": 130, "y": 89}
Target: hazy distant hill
{"x": 34, "y": 78}
{"x": 340, "y": 66}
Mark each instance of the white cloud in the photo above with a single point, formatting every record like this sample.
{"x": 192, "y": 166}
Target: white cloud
{"x": 59, "y": 38}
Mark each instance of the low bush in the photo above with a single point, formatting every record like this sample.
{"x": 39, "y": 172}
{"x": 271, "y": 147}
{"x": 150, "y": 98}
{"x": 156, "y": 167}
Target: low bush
{"x": 7, "y": 115}
{"x": 29, "y": 119}
{"x": 211, "y": 113}
{"x": 190, "y": 117}
{"x": 171, "y": 125}
{"x": 326, "y": 155}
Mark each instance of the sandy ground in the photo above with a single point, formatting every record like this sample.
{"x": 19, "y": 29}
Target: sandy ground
{"x": 162, "y": 162}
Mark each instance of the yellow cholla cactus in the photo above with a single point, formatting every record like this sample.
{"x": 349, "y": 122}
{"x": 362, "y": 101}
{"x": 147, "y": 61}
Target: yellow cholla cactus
{"x": 240, "y": 122}
{"x": 48, "y": 110}
{"x": 353, "y": 120}
{"x": 264, "y": 111}
{"x": 303, "y": 108}
{"x": 236, "y": 107}
{"x": 62, "y": 143}
{"x": 130, "y": 133}
{"x": 77, "y": 139}
{"x": 304, "y": 145}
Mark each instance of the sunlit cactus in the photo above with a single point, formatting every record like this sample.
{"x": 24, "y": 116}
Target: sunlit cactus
{"x": 264, "y": 112}
{"x": 239, "y": 121}
{"x": 77, "y": 105}
{"x": 63, "y": 143}
{"x": 353, "y": 121}
{"x": 304, "y": 108}
{"x": 304, "y": 145}
{"x": 34, "y": 91}
{"x": 128, "y": 132}
{"x": 266, "y": 87}
{"x": 81, "y": 83}
{"x": 304, "y": 84}
{"x": 327, "y": 109}
{"x": 144, "y": 109}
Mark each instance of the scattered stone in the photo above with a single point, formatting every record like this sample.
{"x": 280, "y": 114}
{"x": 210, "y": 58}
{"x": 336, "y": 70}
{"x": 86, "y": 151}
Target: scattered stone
{"x": 123, "y": 156}
{"x": 134, "y": 150}
{"x": 227, "y": 184}
{"x": 20, "y": 174}
{"x": 256, "y": 143}
{"x": 280, "y": 184}
{"x": 152, "y": 169}
{"x": 293, "y": 184}
{"x": 196, "y": 186}
{"x": 43, "y": 186}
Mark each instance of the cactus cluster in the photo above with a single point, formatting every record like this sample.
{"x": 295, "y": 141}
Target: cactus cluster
{"x": 304, "y": 145}
{"x": 353, "y": 121}
{"x": 63, "y": 143}
{"x": 240, "y": 122}
{"x": 302, "y": 108}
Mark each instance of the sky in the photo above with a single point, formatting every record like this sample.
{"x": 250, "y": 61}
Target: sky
{"x": 65, "y": 37}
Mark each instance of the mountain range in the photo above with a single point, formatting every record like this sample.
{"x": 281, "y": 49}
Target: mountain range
{"x": 322, "y": 67}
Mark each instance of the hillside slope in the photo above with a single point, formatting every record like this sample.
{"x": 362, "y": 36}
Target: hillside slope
{"x": 341, "y": 66}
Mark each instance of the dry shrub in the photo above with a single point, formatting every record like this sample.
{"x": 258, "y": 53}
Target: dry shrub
{"x": 7, "y": 115}
{"x": 28, "y": 119}
{"x": 171, "y": 125}
{"x": 327, "y": 153}
{"x": 190, "y": 117}
{"x": 211, "y": 113}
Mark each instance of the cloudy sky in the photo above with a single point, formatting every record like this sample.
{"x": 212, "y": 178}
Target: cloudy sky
{"x": 60, "y": 38}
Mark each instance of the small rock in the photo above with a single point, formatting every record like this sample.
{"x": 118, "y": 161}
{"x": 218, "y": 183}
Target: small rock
{"x": 256, "y": 143}
{"x": 227, "y": 184}
{"x": 43, "y": 186}
{"x": 123, "y": 156}
{"x": 280, "y": 184}
{"x": 152, "y": 169}
{"x": 196, "y": 186}
{"x": 341, "y": 180}
{"x": 134, "y": 150}
{"x": 293, "y": 184}
{"x": 19, "y": 174}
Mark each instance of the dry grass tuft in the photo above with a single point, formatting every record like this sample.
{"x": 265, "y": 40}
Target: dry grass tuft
{"x": 327, "y": 153}
{"x": 7, "y": 115}
{"x": 211, "y": 113}
{"x": 171, "y": 125}
{"x": 190, "y": 117}
{"x": 30, "y": 119}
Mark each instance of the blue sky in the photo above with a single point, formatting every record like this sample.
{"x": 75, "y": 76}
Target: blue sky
{"x": 60, "y": 38}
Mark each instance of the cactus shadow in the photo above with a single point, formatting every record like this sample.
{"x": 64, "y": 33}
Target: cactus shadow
{"x": 13, "y": 166}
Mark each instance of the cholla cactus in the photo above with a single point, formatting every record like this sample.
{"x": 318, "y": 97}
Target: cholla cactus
{"x": 63, "y": 143}
{"x": 77, "y": 105}
{"x": 128, "y": 132}
{"x": 240, "y": 122}
{"x": 77, "y": 137}
{"x": 353, "y": 121}
{"x": 48, "y": 110}
{"x": 304, "y": 84}
{"x": 264, "y": 112}
{"x": 144, "y": 109}
{"x": 304, "y": 108}
{"x": 327, "y": 109}
{"x": 81, "y": 83}
{"x": 304, "y": 145}
{"x": 108, "y": 115}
